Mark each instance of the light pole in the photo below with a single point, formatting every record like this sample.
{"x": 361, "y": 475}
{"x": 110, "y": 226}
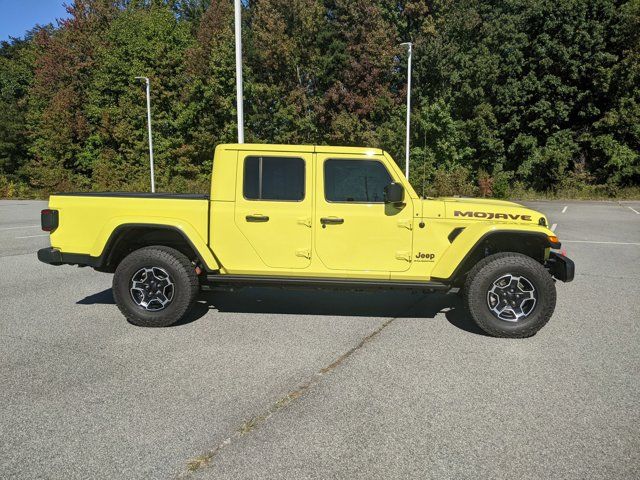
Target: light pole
{"x": 153, "y": 184}
{"x": 406, "y": 162}
{"x": 239, "y": 101}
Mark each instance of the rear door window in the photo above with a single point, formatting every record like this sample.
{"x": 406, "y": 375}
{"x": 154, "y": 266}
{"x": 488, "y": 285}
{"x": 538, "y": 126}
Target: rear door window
{"x": 274, "y": 178}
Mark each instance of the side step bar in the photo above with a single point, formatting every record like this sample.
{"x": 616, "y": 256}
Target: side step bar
{"x": 314, "y": 282}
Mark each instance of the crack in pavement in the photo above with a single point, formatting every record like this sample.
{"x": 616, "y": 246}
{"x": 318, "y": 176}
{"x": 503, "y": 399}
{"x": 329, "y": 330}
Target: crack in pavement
{"x": 203, "y": 461}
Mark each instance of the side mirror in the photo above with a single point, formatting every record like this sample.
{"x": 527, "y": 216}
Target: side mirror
{"x": 394, "y": 193}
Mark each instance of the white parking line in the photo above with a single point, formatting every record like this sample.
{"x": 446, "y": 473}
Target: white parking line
{"x": 553, "y": 227}
{"x": 33, "y": 236}
{"x": 565, "y": 208}
{"x": 18, "y": 228}
{"x": 634, "y": 210}
{"x": 605, "y": 243}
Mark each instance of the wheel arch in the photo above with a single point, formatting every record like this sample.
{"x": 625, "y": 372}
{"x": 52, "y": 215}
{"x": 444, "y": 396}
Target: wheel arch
{"x": 534, "y": 244}
{"x": 126, "y": 238}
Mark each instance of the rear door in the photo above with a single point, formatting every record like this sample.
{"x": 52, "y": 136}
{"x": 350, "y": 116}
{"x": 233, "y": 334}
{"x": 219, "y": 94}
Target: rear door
{"x": 274, "y": 206}
{"x": 354, "y": 229}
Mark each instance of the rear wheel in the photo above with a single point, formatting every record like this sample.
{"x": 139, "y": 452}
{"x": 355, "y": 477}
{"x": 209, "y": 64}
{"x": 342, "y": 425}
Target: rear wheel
{"x": 510, "y": 295}
{"x": 155, "y": 286}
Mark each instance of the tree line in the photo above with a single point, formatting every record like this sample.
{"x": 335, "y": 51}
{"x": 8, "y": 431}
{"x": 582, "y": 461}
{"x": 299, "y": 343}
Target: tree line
{"x": 513, "y": 94}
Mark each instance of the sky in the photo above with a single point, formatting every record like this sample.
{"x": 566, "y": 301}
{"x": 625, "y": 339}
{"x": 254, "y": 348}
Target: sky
{"x": 18, "y": 16}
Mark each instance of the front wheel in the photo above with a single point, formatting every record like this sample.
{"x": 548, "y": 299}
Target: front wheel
{"x": 510, "y": 295}
{"x": 155, "y": 286}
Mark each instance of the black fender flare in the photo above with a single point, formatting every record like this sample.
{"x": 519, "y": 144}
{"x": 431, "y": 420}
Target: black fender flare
{"x": 104, "y": 259}
{"x": 474, "y": 252}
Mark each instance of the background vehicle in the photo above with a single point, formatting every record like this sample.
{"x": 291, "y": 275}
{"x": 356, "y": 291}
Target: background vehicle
{"x": 310, "y": 215}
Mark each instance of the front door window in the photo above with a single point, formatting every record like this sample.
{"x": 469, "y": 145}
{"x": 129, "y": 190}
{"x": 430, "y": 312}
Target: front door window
{"x": 354, "y": 229}
{"x": 358, "y": 181}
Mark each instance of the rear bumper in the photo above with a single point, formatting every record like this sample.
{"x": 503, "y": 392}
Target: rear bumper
{"x": 53, "y": 256}
{"x": 50, "y": 255}
{"x": 561, "y": 267}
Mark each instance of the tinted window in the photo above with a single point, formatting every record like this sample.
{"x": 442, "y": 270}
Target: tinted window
{"x": 273, "y": 178}
{"x": 355, "y": 181}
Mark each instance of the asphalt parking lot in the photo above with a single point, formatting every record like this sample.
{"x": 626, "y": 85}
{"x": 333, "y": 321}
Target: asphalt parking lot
{"x": 265, "y": 383}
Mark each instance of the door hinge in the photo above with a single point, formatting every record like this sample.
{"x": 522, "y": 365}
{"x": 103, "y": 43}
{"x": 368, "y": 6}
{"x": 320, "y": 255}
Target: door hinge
{"x": 303, "y": 252}
{"x": 408, "y": 224}
{"x": 403, "y": 256}
{"x": 306, "y": 221}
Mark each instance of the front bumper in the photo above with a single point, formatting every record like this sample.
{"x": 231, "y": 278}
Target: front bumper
{"x": 561, "y": 267}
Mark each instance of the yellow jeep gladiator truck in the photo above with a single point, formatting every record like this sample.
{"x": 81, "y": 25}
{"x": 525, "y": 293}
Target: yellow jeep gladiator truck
{"x": 318, "y": 216}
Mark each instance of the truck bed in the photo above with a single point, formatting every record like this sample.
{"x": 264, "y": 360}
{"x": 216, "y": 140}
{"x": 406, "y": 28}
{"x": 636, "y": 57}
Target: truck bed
{"x": 87, "y": 220}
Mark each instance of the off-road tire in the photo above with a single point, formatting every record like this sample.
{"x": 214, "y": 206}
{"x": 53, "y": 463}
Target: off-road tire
{"x": 480, "y": 279}
{"x": 183, "y": 277}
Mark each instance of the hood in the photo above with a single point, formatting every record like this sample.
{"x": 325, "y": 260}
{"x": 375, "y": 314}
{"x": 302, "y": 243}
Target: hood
{"x": 479, "y": 201}
{"x": 491, "y": 210}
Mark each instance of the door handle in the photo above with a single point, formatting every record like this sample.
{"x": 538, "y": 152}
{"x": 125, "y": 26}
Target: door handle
{"x": 257, "y": 218}
{"x": 331, "y": 221}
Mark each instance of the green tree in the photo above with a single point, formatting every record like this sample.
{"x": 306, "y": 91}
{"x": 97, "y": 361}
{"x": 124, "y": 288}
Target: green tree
{"x": 151, "y": 42}
{"x": 284, "y": 53}
{"x": 16, "y": 74}
{"x": 64, "y": 67}
{"x": 530, "y": 83}
{"x": 206, "y": 114}
{"x": 359, "y": 65}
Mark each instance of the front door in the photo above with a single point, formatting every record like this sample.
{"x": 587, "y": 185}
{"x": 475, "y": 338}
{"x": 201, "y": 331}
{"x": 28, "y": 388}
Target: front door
{"x": 354, "y": 229}
{"x": 274, "y": 206}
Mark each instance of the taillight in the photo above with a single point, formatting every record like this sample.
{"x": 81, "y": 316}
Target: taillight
{"x": 49, "y": 219}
